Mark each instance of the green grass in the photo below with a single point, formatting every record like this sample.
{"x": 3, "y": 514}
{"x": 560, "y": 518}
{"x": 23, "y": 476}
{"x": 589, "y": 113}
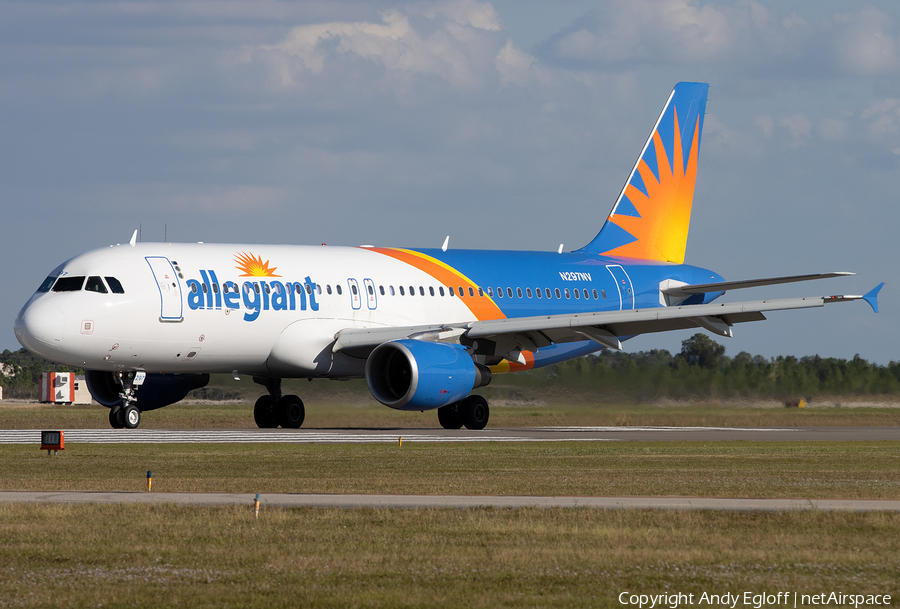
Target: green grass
{"x": 163, "y": 556}
{"x": 869, "y": 470}
{"x": 361, "y": 414}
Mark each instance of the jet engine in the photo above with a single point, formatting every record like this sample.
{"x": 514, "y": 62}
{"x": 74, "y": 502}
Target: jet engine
{"x": 157, "y": 390}
{"x": 419, "y": 375}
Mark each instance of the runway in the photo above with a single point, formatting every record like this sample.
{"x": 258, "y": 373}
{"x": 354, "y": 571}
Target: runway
{"x": 421, "y": 435}
{"x": 286, "y": 500}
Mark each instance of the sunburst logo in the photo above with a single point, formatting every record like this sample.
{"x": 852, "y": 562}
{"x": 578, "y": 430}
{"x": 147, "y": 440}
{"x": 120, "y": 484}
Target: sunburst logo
{"x": 253, "y": 266}
{"x": 660, "y": 226}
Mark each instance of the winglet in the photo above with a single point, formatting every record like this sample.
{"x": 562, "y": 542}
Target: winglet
{"x": 871, "y": 296}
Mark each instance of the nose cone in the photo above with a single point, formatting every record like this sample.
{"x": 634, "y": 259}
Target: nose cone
{"x": 39, "y": 327}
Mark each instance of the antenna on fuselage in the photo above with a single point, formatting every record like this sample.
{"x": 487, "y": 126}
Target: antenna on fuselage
{"x": 133, "y": 238}
{"x": 559, "y": 251}
{"x": 446, "y": 243}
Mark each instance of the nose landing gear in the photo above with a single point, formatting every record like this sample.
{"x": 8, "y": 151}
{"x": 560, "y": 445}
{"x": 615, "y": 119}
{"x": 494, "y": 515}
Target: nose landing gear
{"x": 127, "y": 414}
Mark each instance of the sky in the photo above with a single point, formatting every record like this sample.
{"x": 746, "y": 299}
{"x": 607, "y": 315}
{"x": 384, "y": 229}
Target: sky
{"x": 508, "y": 125}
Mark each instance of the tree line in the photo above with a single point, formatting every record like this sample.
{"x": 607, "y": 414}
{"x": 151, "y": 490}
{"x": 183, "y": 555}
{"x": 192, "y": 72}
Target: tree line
{"x": 702, "y": 370}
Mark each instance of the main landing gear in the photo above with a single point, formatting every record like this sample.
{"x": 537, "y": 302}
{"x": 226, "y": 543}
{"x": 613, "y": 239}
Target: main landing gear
{"x": 473, "y": 412}
{"x": 126, "y": 414}
{"x": 275, "y": 409}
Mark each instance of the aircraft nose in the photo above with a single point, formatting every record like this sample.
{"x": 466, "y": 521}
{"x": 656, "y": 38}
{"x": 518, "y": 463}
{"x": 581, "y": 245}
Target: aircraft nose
{"x": 39, "y": 327}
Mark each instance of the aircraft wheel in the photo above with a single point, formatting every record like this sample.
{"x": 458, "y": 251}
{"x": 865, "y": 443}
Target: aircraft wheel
{"x": 291, "y": 412}
{"x": 449, "y": 416}
{"x": 116, "y": 418}
{"x": 475, "y": 412}
{"x": 264, "y": 413}
{"x": 131, "y": 416}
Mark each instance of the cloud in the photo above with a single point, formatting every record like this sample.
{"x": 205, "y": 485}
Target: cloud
{"x": 745, "y": 35}
{"x": 455, "y": 41}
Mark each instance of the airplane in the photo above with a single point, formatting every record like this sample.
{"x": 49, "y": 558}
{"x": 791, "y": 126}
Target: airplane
{"x": 149, "y": 322}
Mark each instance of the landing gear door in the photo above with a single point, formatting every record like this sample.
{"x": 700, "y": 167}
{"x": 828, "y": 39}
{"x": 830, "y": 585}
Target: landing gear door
{"x": 623, "y": 283}
{"x": 169, "y": 288}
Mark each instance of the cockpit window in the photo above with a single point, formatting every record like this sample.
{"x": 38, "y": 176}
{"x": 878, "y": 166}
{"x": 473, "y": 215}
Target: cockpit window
{"x": 69, "y": 284}
{"x": 48, "y": 283}
{"x": 95, "y": 284}
{"x": 114, "y": 285}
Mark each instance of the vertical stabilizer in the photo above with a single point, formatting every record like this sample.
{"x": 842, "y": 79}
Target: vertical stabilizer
{"x": 652, "y": 215}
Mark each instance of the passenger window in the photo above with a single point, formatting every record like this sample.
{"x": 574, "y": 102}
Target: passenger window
{"x": 595, "y": 294}
{"x": 500, "y": 292}
{"x": 381, "y": 289}
{"x": 557, "y": 293}
{"x": 319, "y": 289}
{"x": 371, "y": 290}
{"x": 452, "y": 291}
{"x": 480, "y": 292}
{"x": 441, "y": 290}
{"x": 255, "y": 288}
{"x": 48, "y": 283}
{"x": 421, "y": 291}
{"x": 95, "y": 284}
{"x": 206, "y": 289}
{"x": 471, "y": 292}
{"x": 461, "y": 292}
{"x": 308, "y": 289}
{"x": 401, "y": 291}
{"x": 225, "y": 288}
{"x": 412, "y": 291}
{"x": 519, "y": 292}
{"x": 567, "y": 293}
{"x": 547, "y": 292}
{"x": 353, "y": 289}
{"x": 328, "y": 289}
{"x": 69, "y": 284}
{"x": 603, "y": 293}
{"x": 391, "y": 288}
{"x": 216, "y": 288}
{"x": 539, "y": 293}
{"x": 509, "y": 292}
{"x": 431, "y": 289}
{"x": 585, "y": 294}
{"x": 528, "y": 292}
{"x": 490, "y": 291}
{"x": 339, "y": 290}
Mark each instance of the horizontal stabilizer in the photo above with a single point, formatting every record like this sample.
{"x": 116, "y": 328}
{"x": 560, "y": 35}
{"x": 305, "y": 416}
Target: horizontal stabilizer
{"x": 722, "y": 286}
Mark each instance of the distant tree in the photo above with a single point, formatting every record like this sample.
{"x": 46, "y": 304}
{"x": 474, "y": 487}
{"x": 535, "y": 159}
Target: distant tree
{"x": 701, "y": 350}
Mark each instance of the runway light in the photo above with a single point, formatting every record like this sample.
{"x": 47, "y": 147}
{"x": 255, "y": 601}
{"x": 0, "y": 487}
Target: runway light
{"x": 149, "y": 481}
{"x": 256, "y": 505}
{"x": 52, "y": 440}
{"x": 400, "y": 441}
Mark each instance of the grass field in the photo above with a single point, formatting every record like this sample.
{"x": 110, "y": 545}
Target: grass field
{"x": 163, "y": 556}
{"x": 869, "y": 470}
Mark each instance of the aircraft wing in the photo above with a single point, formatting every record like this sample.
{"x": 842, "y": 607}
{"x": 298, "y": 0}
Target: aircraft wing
{"x": 722, "y": 286}
{"x": 604, "y": 327}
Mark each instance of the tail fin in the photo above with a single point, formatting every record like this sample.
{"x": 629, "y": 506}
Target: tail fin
{"x": 651, "y": 217}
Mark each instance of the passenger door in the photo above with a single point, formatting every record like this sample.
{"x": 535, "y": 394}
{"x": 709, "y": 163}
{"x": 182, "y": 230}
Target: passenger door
{"x": 170, "y": 307}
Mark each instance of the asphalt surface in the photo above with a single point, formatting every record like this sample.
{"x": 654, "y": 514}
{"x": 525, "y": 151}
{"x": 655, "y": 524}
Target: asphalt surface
{"x": 451, "y": 501}
{"x": 517, "y": 434}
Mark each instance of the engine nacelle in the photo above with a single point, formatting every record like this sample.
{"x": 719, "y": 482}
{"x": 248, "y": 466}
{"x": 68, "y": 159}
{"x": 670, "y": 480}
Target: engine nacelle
{"x": 419, "y": 375}
{"x": 157, "y": 390}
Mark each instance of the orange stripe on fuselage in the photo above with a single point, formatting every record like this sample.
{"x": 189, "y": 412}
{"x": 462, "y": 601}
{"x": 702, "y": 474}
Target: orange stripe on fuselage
{"x": 482, "y": 307}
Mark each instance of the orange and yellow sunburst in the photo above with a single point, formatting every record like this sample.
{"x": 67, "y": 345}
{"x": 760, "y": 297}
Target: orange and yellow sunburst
{"x": 665, "y": 210}
{"x": 254, "y": 266}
